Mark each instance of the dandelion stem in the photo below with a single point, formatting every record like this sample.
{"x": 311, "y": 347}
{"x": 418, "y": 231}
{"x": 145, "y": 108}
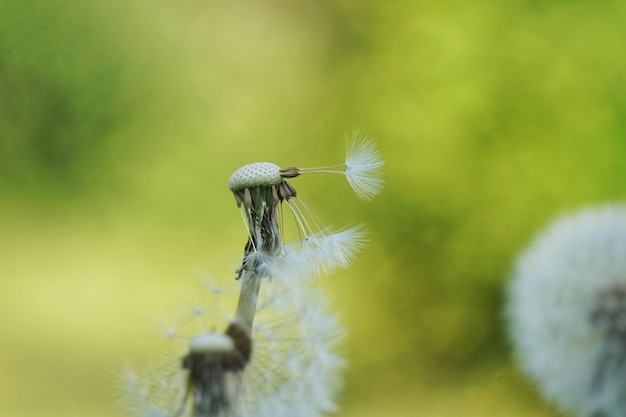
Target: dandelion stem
{"x": 248, "y": 297}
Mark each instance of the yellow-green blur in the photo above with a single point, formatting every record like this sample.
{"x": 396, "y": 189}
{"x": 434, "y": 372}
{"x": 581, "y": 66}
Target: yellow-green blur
{"x": 121, "y": 122}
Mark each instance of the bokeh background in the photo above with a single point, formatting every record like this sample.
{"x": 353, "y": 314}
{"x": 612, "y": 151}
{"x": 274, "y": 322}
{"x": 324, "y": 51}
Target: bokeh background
{"x": 121, "y": 122}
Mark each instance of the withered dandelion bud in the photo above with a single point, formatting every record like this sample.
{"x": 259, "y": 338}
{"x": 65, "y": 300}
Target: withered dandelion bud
{"x": 287, "y": 367}
{"x": 215, "y": 363}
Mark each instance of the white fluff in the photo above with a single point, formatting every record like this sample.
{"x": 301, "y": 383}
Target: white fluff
{"x": 294, "y": 369}
{"x": 554, "y": 291}
{"x": 364, "y": 163}
{"x": 323, "y": 253}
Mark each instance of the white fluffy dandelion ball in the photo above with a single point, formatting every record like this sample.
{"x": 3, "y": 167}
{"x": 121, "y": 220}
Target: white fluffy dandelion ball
{"x": 294, "y": 370}
{"x": 567, "y": 312}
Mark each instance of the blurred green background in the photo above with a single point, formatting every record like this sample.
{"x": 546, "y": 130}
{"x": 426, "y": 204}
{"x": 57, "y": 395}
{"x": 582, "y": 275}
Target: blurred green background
{"x": 121, "y": 122}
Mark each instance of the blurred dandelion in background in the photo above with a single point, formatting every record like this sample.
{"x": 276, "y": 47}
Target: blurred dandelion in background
{"x": 294, "y": 369}
{"x": 567, "y": 312}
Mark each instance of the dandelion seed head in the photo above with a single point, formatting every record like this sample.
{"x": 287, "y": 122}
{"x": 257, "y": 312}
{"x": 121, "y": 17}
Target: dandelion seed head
{"x": 319, "y": 251}
{"x": 566, "y": 312}
{"x": 258, "y": 174}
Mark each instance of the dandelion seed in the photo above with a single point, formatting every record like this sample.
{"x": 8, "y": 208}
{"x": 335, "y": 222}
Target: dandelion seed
{"x": 362, "y": 166}
{"x": 324, "y": 252}
{"x": 567, "y": 312}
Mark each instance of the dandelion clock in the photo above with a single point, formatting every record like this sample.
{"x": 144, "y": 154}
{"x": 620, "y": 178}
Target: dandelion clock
{"x": 566, "y": 312}
{"x": 208, "y": 366}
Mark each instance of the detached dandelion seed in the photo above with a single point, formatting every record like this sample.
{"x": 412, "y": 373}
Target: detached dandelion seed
{"x": 567, "y": 312}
